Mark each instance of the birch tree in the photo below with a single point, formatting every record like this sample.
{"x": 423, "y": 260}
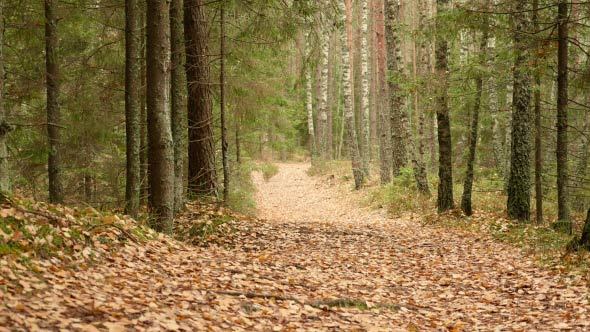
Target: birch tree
{"x": 365, "y": 107}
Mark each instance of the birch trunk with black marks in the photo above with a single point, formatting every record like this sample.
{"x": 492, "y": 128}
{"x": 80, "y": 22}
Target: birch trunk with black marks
{"x": 351, "y": 138}
{"x": 365, "y": 145}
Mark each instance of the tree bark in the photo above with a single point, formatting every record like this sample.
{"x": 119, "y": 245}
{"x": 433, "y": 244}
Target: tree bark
{"x": 161, "y": 155}
{"x": 54, "y": 166}
{"x": 4, "y": 127}
{"x": 224, "y": 145}
{"x": 445, "y": 165}
{"x": 177, "y": 93}
{"x": 351, "y": 138}
{"x": 309, "y": 100}
{"x": 365, "y": 145}
{"x": 563, "y": 214}
{"x": 466, "y": 205}
{"x": 132, "y": 112}
{"x": 384, "y": 128}
{"x": 398, "y": 120}
{"x": 518, "y": 202}
{"x": 538, "y": 128}
{"x": 323, "y": 83}
{"x": 201, "y": 152}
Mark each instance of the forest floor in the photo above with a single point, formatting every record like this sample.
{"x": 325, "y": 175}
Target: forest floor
{"x": 316, "y": 260}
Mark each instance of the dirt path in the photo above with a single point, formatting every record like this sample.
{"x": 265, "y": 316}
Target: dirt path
{"x": 319, "y": 262}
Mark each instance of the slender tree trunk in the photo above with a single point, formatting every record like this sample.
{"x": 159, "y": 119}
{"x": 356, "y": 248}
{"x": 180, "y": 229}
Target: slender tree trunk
{"x": 399, "y": 131}
{"x": 54, "y": 166}
{"x": 237, "y": 139}
{"x": 365, "y": 107}
{"x": 497, "y": 140}
{"x": 201, "y": 151}
{"x": 445, "y": 165}
{"x": 4, "y": 127}
{"x": 161, "y": 150}
{"x": 563, "y": 213}
{"x": 538, "y": 133}
{"x": 323, "y": 83}
{"x": 177, "y": 93}
{"x": 468, "y": 183}
{"x": 351, "y": 138}
{"x": 132, "y": 112}
{"x": 384, "y": 128}
{"x": 143, "y": 149}
{"x": 224, "y": 145}
{"x": 582, "y": 166}
{"x": 309, "y": 100}
{"x": 519, "y": 182}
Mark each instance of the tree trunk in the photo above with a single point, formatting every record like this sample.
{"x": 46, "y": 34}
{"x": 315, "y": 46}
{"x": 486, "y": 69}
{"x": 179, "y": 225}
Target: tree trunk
{"x": 538, "y": 128}
{"x": 309, "y": 100}
{"x": 384, "y": 128}
{"x": 519, "y": 182}
{"x": 563, "y": 214}
{"x": 365, "y": 145}
{"x": 497, "y": 149}
{"x": 54, "y": 166}
{"x": 468, "y": 183}
{"x": 132, "y": 112}
{"x": 4, "y": 127}
{"x": 323, "y": 82}
{"x": 582, "y": 166}
{"x": 143, "y": 139}
{"x": 160, "y": 156}
{"x": 224, "y": 145}
{"x": 445, "y": 165}
{"x": 399, "y": 131}
{"x": 177, "y": 92}
{"x": 201, "y": 151}
{"x": 351, "y": 138}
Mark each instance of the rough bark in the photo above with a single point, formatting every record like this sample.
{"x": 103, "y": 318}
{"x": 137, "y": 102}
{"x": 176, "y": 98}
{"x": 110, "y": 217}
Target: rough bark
{"x": 563, "y": 213}
{"x": 351, "y": 137}
{"x": 518, "y": 202}
{"x": 445, "y": 165}
{"x": 202, "y": 175}
{"x": 585, "y": 237}
{"x": 177, "y": 93}
{"x": 54, "y": 166}
{"x": 132, "y": 111}
{"x": 494, "y": 109}
{"x": 4, "y": 127}
{"x": 224, "y": 145}
{"x": 466, "y": 205}
{"x": 384, "y": 128}
{"x": 161, "y": 155}
{"x": 365, "y": 109}
{"x": 538, "y": 128}
{"x": 398, "y": 120}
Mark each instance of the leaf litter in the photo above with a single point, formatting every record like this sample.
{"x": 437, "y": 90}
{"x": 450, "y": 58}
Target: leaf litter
{"x": 316, "y": 261}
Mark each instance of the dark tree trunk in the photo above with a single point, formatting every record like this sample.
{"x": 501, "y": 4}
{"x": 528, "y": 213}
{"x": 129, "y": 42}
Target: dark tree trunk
{"x": 54, "y": 166}
{"x": 563, "y": 214}
{"x": 538, "y": 132}
{"x": 202, "y": 175}
{"x": 4, "y": 127}
{"x": 177, "y": 92}
{"x": 519, "y": 199}
{"x": 585, "y": 238}
{"x": 161, "y": 155}
{"x": 237, "y": 139}
{"x": 468, "y": 184}
{"x": 224, "y": 145}
{"x": 132, "y": 112}
{"x": 445, "y": 164}
{"x": 143, "y": 149}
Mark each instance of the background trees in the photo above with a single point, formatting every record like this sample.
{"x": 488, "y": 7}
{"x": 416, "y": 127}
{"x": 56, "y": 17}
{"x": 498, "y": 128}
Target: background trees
{"x": 300, "y": 78}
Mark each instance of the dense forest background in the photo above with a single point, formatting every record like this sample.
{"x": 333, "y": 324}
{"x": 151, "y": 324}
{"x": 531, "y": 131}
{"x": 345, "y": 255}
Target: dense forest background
{"x": 489, "y": 97}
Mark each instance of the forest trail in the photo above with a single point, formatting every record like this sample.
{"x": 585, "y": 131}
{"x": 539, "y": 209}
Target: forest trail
{"x": 318, "y": 262}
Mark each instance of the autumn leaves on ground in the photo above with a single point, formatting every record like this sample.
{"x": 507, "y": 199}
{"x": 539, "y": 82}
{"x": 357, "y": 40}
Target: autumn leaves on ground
{"x": 316, "y": 260}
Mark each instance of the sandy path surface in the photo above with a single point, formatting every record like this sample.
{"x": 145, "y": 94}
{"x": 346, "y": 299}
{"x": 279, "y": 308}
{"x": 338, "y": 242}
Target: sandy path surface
{"x": 318, "y": 262}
